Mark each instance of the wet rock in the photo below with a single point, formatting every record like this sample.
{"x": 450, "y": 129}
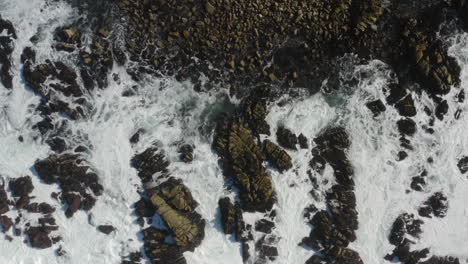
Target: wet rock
{"x": 402, "y": 155}
{"x": 243, "y": 160}
{"x": 404, "y": 224}
{"x": 463, "y": 164}
{"x": 57, "y": 144}
{"x": 39, "y": 236}
{"x": 231, "y": 219}
{"x": 376, "y": 107}
{"x": 74, "y": 203}
{"x": 278, "y": 157}
{"x": 28, "y": 55}
{"x": 303, "y": 141}
{"x": 21, "y": 186}
{"x": 81, "y": 149}
{"x": 264, "y": 226}
{"x": 4, "y": 207}
{"x": 267, "y": 251}
{"x": 6, "y": 223}
{"x": 441, "y": 109}
{"x": 136, "y": 137}
{"x": 437, "y": 205}
{"x": 144, "y": 208}
{"x": 150, "y": 162}
{"x": 406, "y": 126}
{"x": 345, "y": 255}
{"x": 286, "y": 138}
{"x": 43, "y": 208}
{"x": 169, "y": 254}
{"x": 70, "y": 173}
{"x": 406, "y": 107}
{"x": 187, "y": 228}
{"x": 441, "y": 260}
{"x": 418, "y": 183}
{"x": 186, "y": 153}
{"x": 177, "y": 195}
{"x": 106, "y": 229}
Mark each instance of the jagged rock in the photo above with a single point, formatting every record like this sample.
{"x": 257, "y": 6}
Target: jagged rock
{"x": 231, "y": 219}
{"x": 417, "y": 183}
{"x": 6, "y": 223}
{"x": 144, "y": 208}
{"x": 345, "y": 255}
{"x": 21, "y": 186}
{"x": 39, "y": 236}
{"x": 406, "y": 126}
{"x": 264, "y": 226}
{"x": 441, "y": 260}
{"x": 57, "y": 144}
{"x": 28, "y": 55}
{"x": 303, "y": 141}
{"x": 136, "y": 137}
{"x": 150, "y": 162}
{"x": 402, "y": 155}
{"x": 286, "y": 138}
{"x": 187, "y": 228}
{"x": 441, "y": 109}
{"x": 43, "y": 208}
{"x": 69, "y": 172}
{"x": 437, "y": 204}
{"x": 406, "y": 107}
{"x": 267, "y": 252}
{"x": 404, "y": 224}
{"x": 243, "y": 160}
{"x": 177, "y": 195}
{"x": 106, "y": 229}
{"x": 186, "y": 153}
{"x": 278, "y": 157}
{"x": 463, "y": 164}
{"x": 166, "y": 254}
{"x": 74, "y": 203}
{"x": 376, "y": 107}
{"x": 316, "y": 259}
{"x": 3, "y": 200}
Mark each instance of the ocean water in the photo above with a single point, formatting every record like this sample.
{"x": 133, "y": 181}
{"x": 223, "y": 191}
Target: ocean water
{"x": 172, "y": 113}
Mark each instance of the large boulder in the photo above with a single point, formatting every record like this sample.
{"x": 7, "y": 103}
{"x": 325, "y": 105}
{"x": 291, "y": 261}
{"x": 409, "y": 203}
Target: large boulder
{"x": 187, "y": 228}
{"x": 149, "y": 163}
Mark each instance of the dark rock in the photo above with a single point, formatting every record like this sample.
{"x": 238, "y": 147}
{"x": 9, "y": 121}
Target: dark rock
{"x": 264, "y": 226}
{"x": 404, "y": 224}
{"x": 136, "y": 137}
{"x": 303, "y": 141}
{"x": 106, "y": 229}
{"x": 418, "y": 183}
{"x": 144, "y": 208}
{"x": 150, "y": 162}
{"x": 463, "y": 164}
{"x": 441, "y": 109}
{"x": 28, "y": 55}
{"x": 74, "y": 203}
{"x": 80, "y": 149}
{"x": 437, "y": 204}
{"x": 6, "y": 223}
{"x": 441, "y": 260}
{"x": 286, "y": 138}
{"x": 406, "y": 106}
{"x": 376, "y": 107}
{"x": 177, "y": 195}
{"x": 21, "y": 186}
{"x": 57, "y": 144}
{"x": 231, "y": 219}
{"x": 70, "y": 173}
{"x": 406, "y": 126}
{"x": 39, "y": 237}
{"x": 186, "y": 153}
{"x": 278, "y": 157}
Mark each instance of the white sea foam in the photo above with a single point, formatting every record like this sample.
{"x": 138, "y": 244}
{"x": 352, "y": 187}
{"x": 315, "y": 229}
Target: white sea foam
{"x": 170, "y": 112}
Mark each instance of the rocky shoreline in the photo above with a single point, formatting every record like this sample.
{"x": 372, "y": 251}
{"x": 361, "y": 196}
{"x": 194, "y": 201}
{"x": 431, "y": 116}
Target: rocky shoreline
{"x": 258, "y": 50}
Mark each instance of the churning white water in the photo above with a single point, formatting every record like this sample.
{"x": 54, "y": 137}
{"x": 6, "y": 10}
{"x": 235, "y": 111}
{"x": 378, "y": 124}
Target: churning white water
{"x": 171, "y": 112}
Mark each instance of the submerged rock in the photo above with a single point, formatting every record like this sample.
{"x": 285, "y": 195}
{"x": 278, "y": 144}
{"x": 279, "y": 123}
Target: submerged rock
{"x": 437, "y": 205}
